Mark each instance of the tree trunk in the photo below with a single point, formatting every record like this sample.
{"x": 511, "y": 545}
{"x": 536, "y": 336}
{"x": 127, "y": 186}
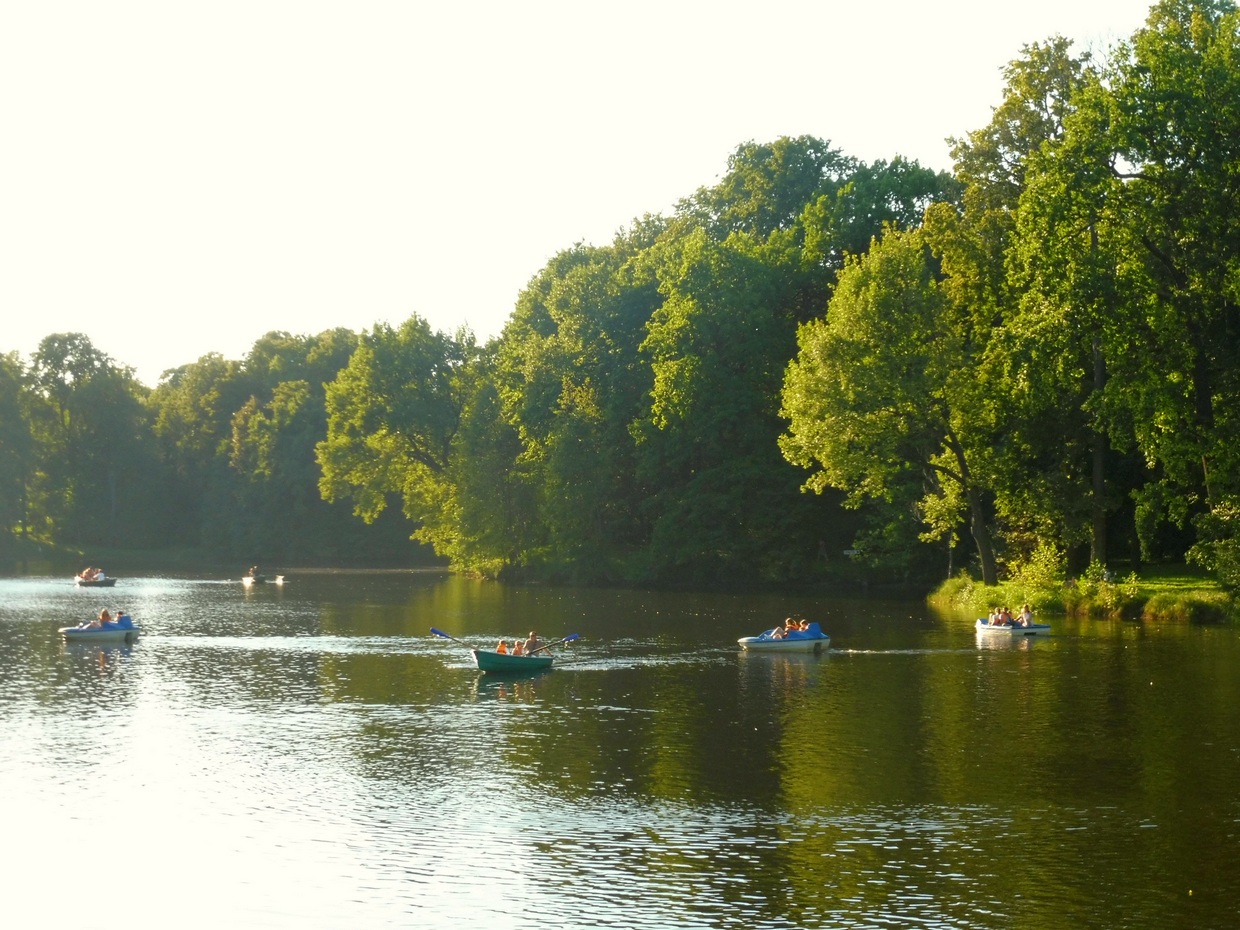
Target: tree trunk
{"x": 977, "y": 513}
{"x": 1098, "y": 505}
{"x": 981, "y": 536}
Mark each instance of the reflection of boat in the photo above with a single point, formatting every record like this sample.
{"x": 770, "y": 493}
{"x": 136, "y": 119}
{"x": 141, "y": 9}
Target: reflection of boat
{"x": 110, "y": 632}
{"x": 104, "y": 582}
{"x": 1012, "y": 629}
{"x": 509, "y": 664}
{"x": 811, "y": 640}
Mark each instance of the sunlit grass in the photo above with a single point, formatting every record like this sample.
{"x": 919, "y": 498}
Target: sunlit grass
{"x": 1163, "y": 592}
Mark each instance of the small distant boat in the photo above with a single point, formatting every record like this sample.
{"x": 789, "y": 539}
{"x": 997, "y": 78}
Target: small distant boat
{"x": 1012, "y": 629}
{"x": 100, "y": 582}
{"x": 248, "y": 580}
{"x": 506, "y": 663}
{"x": 811, "y": 640}
{"x": 111, "y": 632}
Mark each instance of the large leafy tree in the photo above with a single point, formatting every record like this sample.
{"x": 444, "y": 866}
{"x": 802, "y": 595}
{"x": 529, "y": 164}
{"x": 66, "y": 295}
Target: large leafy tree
{"x": 767, "y": 186}
{"x": 721, "y": 496}
{"x": 193, "y": 408}
{"x": 393, "y": 415}
{"x": 495, "y": 500}
{"x": 278, "y": 511}
{"x": 888, "y": 393}
{"x": 91, "y": 427}
{"x": 1129, "y": 233}
{"x": 1051, "y": 480}
{"x": 571, "y": 381}
{"x": 741, "y": 265}
{"x": 1176, "y": 138}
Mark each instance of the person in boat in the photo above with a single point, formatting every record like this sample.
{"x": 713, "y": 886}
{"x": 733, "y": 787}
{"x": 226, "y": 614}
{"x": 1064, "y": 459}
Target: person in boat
{"x": 99, "y": 621}
{"x": 996, "y": 617}
{"x": 253, "y": 572}
{"x": 518, "y": 647}
{"x": 502, "y": 648}
{"x": 533, "y": 642}
{"x": 123, "y": 619}
{"x": 1026, "y": 615}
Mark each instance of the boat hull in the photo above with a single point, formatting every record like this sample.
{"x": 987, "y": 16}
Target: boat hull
{"x": 504, "y": 663}
{"x": 758, "y": 644}
{"x": 1034, "y": 629}
{"x": 811, "y": 639}
{"x": 81, "y": 635}
{"x": 95, "y": 583}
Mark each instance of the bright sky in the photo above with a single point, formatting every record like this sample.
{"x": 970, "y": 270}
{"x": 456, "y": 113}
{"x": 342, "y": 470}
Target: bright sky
{"x": 178, "y": 178}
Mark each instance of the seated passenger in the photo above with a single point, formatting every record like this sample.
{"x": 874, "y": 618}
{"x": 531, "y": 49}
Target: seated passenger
{"x": 518, "y": 648}
{"x": 502, "y": 648}
{"x": 1026, "y": 615}
{"x": 99, "y": 621}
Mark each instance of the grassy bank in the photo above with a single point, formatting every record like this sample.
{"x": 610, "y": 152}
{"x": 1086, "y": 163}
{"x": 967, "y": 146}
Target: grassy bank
{"x": 1174, "y": 594}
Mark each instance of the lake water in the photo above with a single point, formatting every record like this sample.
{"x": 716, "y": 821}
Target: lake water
{"x": 310, "y": 756}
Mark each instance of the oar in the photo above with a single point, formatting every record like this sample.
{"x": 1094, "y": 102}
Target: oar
{"x": 453, "y": 638}
{"x": 567, "y": 639}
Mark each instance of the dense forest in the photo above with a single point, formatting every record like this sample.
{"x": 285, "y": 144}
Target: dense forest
{"x": 817, "y": 369}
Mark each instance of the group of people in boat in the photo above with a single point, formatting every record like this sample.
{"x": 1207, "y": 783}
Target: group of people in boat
{"x": 92, "y": 574}
{"x": 105, "y": 621}
{"x": 791, "y": 625}
{"x": 520, "y": 647}
{"x": 1002, "y": 616}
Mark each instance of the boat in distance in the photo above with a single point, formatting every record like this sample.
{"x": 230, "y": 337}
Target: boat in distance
{"x": 249, "y": 580}
{"x": 810, "y": 640}
{"x": 1012, "y": 629}
{"x": 507, "y": 663}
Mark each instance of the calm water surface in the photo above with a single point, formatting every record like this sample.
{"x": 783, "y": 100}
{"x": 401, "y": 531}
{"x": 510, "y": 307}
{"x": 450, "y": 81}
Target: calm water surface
{"x": 310, "y": 756}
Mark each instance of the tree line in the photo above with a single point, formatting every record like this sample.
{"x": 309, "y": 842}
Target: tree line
{"x": 816, "y": 369}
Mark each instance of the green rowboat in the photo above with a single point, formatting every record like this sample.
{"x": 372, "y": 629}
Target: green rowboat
{"x": 509, "y": 664}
